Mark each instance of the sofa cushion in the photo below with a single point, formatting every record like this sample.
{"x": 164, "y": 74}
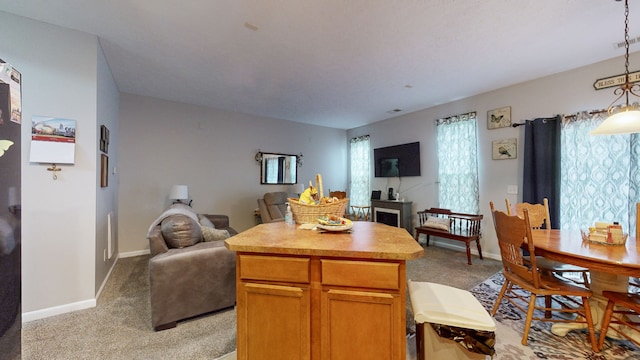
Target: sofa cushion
{"x": 180, "y": 231}
{"x": 437, "y": 223}
{"x": 212, "y": 234}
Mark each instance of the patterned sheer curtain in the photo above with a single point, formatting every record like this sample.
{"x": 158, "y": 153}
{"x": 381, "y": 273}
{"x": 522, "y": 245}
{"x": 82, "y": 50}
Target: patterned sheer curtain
{"x": 360, "y": 191}
{"x": 272, "y": 170}
{"x": 600, "y": 175}
{"x": 457, "y": 142}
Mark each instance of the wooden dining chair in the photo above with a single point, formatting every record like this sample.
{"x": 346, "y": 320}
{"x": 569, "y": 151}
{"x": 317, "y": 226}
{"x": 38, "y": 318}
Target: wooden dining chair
{"x": 621, "y": 309}
{"x": 341, "y": 195}
{"x": 540, "y": 219}
{"x": 525, "y": 283}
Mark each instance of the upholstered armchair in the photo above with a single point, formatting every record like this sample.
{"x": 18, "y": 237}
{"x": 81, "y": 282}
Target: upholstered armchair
{"x": 273, "y": 206}
{"x": 190, "y": 274}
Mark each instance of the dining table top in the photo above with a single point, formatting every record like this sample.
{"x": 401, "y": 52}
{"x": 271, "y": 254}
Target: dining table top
{"x": 568, "y": 246}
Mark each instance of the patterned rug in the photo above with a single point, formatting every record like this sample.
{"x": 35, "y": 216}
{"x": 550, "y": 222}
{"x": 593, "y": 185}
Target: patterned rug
{"x": 542, "y": 343}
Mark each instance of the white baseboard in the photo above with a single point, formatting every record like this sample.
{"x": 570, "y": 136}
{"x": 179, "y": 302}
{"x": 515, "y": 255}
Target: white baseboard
{"x": 106, "y": 278}
{"x": 58, "y": 310}
{"x": 455, "y": 246}
{"x": 134, "y": 253}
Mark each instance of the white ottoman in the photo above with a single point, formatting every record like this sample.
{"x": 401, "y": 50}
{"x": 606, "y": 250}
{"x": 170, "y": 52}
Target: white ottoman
{"x": 440, "y": 304}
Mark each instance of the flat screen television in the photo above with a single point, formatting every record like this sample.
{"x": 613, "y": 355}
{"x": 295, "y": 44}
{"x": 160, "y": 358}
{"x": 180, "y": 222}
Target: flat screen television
{"x": 398, "y": 160}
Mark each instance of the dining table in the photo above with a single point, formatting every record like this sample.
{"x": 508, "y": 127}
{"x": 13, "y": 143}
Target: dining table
{"x": 610, "y": 267}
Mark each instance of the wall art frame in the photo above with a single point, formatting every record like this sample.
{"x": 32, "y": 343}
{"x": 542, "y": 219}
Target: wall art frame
{"x": 499, "y": 118}
{"x": 104, "y": 139}
{"x": 504, "y": 149}
{"x": 104, "y": 170}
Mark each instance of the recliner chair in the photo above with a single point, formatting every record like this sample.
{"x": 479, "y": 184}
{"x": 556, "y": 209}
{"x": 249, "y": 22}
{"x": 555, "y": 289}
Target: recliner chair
{"x": 190, "y": 280}
{"x": 273, "y": 206}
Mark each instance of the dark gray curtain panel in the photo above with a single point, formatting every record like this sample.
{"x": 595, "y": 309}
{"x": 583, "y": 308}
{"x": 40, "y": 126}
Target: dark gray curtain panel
{"x": 542, "y": 164}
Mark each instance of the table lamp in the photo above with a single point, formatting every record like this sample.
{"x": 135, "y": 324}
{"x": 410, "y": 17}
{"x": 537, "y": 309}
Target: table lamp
{"x": 179, "y": 193}
{"x": 297, "y": 189}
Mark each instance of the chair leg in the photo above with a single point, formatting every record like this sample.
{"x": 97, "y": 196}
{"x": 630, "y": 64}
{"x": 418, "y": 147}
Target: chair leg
{"x": 527, "y": 324}
{"x": 420, "y": 341}
{"x": 479, "y": 248}
{"x": 500, "y": 296}
{"x": 606, "y": 319}
{"x": 468, "y": 252}
{"x": 587, "y": 314}
{"x": 547, "y": 305}
{"x": 427, "y": 239}
{"x": 585, "y": 279}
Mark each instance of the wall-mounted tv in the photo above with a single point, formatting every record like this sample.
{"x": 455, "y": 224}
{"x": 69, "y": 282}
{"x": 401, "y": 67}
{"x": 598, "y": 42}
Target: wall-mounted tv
{"x": 398, "y": 160}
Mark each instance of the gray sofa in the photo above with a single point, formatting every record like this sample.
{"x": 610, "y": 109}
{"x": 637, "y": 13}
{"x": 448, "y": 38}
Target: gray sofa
{"x": 189, "y": 279}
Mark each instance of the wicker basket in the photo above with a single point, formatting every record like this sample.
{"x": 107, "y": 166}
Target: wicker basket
{"x": 306, "y": 213}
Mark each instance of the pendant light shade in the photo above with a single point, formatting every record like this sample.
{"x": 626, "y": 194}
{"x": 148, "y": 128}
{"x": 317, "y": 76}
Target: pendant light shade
{"x": 626, "y": 119}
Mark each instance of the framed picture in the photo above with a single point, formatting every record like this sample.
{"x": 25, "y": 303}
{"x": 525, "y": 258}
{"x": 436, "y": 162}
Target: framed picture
{"x": 104, "y": 170}
{"x": 504, "y": 149}
{"x": 499, "y": 118}
{"x": 104, "y": 139}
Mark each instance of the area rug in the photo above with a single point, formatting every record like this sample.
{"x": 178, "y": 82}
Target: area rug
{"x": 542, "y": 343}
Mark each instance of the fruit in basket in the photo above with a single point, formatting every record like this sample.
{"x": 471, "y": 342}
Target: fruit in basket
{"x": 331, "y": 220}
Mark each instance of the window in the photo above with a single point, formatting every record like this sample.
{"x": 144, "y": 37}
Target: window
{"x": 457, "y": 143}
{"x": 600, "y": 176}
{"x": 360, "y": 155}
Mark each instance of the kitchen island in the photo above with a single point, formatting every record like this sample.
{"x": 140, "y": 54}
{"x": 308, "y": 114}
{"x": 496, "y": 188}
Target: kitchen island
{"x": 306, "y": 294}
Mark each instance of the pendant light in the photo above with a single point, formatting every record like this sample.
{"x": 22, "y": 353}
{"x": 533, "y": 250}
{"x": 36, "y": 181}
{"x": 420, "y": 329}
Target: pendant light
{"x": 626, "y": 118}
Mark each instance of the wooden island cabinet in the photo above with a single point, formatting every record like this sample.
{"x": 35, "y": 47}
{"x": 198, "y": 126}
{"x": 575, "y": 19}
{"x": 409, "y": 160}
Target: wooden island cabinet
{"x": 303, "y": 294}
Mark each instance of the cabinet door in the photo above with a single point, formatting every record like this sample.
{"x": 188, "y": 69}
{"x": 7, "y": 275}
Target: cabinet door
{"x": 361, "y": 325}
{"x": 273, "y": 322}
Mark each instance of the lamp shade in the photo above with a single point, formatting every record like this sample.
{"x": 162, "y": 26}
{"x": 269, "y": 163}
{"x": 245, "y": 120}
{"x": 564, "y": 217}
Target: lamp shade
{"x": 179, "y": 192}
{"x": 627, "y": 121}
{"x": 298, "y": 188}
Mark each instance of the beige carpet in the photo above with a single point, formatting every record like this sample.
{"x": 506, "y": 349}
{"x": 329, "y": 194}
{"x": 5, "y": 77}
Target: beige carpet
{"x": 120, "y": 326}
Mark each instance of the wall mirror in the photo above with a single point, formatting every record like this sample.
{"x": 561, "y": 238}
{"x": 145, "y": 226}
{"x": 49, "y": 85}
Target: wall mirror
{"x": 278, "y": 168}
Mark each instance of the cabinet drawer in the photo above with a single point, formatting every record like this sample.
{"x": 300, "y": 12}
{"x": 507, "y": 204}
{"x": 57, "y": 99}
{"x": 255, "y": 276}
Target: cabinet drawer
{"x": 274, "y": 268}
{"x": 368, "y": 274}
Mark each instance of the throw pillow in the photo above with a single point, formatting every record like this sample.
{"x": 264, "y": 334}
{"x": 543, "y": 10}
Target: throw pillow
{"x": 180, "y": 231}
{"x": 437, "y": 223}
{"x": 211, "y": 234}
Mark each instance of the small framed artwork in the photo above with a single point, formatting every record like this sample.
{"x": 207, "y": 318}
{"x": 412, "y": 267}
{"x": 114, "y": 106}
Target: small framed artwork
{"x": 499, "y": 118}
{"x": 504, "y": 149}
{"x": 104, "y": 139}
{"x": 104, "y": 170}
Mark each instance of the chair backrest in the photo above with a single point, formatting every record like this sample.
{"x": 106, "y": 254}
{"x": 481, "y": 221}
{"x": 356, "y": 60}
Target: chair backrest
{"x": 273, "y": 206}
{"x": 338, "y": 194}
{"x": 512, "y": 231}
{"x": 538, "y": 213}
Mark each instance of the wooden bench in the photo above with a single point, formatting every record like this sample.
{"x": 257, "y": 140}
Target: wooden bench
{"x": 461, "y": 227}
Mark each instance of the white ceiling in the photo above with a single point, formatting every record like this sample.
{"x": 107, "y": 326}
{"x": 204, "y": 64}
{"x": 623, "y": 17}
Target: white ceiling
{"x": 337, "y": 63}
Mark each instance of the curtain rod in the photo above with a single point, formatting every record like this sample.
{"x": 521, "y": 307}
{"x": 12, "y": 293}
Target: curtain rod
{"x": 529, "y": 121}
{"x": 572, "y": 116}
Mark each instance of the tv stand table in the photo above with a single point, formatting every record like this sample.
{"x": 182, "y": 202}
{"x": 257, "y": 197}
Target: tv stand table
{"x": 304, "y": 294}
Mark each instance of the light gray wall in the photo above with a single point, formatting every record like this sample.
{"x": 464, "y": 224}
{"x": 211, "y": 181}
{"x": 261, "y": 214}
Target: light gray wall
{"x": 107, "y": 197}
{"x": 212, "y": 151}
{"x": 59, "y": 79}
{"x": 563, "y": 93}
